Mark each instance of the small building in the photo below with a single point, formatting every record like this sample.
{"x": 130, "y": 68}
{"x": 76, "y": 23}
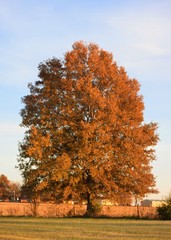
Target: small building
{"x": 151, "y": 203}
{"x": 107, "y": 202}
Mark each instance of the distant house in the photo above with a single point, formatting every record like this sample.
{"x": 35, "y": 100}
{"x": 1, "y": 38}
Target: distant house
{"x": 107, "y": 202}
{"x": 151, "y": 203}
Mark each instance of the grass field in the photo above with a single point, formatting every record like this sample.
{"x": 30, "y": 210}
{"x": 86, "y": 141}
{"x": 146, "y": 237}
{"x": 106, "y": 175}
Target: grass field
{"x": 24, "y": 228}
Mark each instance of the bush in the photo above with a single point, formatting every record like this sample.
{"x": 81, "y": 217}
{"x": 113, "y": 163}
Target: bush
{"x": 164, "y": 211}
{"x": 93, "y": 210}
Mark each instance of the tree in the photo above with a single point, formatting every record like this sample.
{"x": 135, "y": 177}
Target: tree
{"x": 8, "y": 190}
{"x": 164, "y": 211}
{"x": 85, "y": 132}
{"x": 4, "y": 186}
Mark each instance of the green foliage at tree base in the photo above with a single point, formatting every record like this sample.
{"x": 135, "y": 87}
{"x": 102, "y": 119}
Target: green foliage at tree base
{"x": 164, "y": 211}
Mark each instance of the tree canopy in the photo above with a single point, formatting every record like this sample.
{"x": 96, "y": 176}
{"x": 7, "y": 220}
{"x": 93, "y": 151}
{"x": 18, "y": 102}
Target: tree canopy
{"x": 85, "y": 133}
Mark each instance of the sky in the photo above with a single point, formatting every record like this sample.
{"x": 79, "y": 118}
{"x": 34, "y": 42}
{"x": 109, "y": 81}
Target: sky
{"x": 137, "y": 33}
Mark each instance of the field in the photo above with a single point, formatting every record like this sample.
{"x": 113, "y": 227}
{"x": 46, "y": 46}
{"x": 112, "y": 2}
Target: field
{"x": 25, "y": 228}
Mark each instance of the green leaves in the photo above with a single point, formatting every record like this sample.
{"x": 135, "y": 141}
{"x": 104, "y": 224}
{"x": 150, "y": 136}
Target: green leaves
{"x": 164, "y": 211}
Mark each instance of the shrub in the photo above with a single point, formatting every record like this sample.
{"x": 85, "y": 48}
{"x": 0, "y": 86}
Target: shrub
{"x": 164, "y": 211}
{"x": 94, "y": 210}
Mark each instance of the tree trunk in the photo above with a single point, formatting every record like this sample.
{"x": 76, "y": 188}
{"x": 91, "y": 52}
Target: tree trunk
{"x": 89, "y": 211}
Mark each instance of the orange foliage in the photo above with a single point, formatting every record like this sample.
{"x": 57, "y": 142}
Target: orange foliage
{"x": 86, "y": 134}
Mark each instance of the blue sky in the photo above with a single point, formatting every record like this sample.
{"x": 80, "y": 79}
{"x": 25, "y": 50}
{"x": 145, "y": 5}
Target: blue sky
{"x": 138, "y": 33}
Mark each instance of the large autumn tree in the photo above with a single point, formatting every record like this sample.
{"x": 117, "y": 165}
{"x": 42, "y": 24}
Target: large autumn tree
{"x": 85, "y": 133}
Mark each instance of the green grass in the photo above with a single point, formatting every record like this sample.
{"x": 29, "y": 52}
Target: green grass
{"x": 24, "y": 228}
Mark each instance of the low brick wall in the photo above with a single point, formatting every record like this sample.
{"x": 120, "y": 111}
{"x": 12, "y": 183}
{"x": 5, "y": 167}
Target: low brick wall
{"x": 67, "y": 210}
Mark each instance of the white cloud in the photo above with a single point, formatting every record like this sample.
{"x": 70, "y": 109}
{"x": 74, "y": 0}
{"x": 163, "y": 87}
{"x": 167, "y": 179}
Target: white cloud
{"x": 136, "y": 33}
{"x": 143, "y": 31}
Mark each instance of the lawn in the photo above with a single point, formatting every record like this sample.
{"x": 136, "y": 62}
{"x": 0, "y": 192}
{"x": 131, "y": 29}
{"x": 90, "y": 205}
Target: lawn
{"x": 24, "y": 228}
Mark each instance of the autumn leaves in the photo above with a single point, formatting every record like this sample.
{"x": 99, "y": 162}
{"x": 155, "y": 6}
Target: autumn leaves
{"x": 86, "y": 134}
